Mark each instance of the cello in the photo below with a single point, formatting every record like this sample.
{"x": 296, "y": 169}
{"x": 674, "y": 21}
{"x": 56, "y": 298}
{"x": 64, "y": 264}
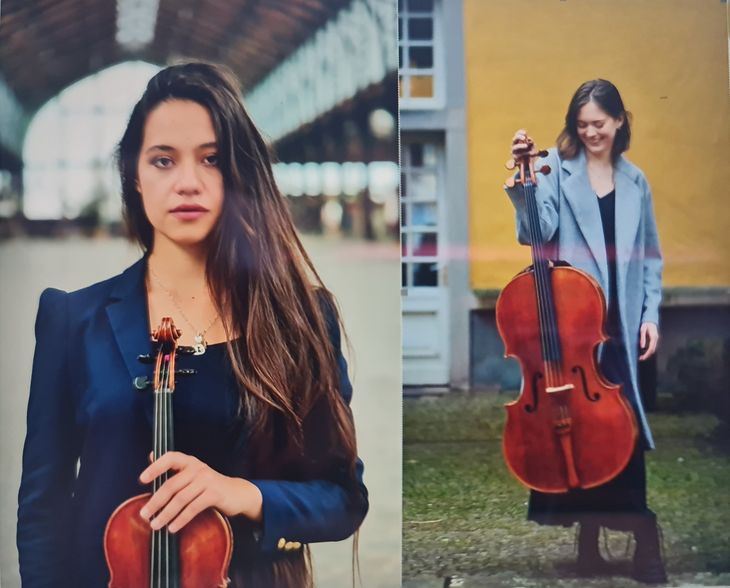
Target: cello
{"x": 199, "y": 554}
{"x": 570, "y": 427}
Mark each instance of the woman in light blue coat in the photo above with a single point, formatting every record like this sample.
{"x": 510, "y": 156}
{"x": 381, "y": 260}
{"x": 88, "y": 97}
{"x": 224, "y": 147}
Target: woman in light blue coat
{"x": 596, "y": 213}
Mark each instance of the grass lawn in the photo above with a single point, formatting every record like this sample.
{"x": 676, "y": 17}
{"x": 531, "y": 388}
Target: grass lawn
{"x": 464, "y": 514}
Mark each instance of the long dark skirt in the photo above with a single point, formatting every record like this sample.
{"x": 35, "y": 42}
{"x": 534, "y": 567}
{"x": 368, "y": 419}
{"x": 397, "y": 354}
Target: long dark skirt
{"x": 616, "y": 504}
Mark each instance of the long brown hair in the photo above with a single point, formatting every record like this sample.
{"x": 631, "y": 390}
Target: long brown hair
{"x": 279, "y": 319}
{"x": 607, "y": 97}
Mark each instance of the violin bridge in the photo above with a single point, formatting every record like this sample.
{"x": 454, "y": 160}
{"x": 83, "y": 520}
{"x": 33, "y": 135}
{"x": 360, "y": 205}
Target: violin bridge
{"x": 556, "y": 389}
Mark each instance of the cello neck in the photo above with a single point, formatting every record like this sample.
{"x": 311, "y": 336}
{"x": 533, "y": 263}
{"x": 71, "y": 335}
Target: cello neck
{"x": 549, "y": 338}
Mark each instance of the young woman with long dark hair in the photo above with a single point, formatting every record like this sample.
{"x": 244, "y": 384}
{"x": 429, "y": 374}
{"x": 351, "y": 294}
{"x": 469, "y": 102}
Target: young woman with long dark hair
{"x": 595, "y": 211}
{"x": 263, "y": 430}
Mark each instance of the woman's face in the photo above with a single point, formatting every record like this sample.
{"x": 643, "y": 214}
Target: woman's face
{"x": 597, "y": 129}
{"x": 178, "y": 174}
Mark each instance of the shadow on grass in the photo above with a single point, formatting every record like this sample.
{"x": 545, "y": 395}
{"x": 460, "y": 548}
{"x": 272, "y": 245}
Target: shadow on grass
{"x": 464, "y": 515}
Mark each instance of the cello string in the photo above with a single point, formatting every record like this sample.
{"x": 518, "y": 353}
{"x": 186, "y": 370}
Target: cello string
{"x": 538, "y": 263}
{"x": 548, "y": 321}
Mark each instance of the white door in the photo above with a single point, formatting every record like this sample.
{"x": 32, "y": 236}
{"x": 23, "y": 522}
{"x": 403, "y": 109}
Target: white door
{"x": 423, "y": 259}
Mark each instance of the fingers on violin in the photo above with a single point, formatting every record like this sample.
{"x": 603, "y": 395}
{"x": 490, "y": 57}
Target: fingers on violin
{"x": 172, "y": 460}
{"x": 176, "y": 506}
{"x": 194, "y": 507}
{"x": 165, "y": 494}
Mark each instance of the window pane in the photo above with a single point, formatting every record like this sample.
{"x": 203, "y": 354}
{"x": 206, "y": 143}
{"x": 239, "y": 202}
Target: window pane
{"x": 420, "y": 57}
{"x": 404, "y": 244}
{"x": 429, "y": 155}
{"x": 403, "y": 185}
{"x": 425, "y": 274}
{"x": 403, "y": 218}
{"x": 420, "y": 29}
{"x": 400, "y": 56}
{"x": 421, "y": 87}
{"x": 423, "y": 186}
{"x": 425, "y": 244}
{"x": 400, "y": 28}
{"x": 424, "y": 215}
{"x": 415, "y": 150}
{"x": 420, "y": 5}
{"x": 404, "y": 274}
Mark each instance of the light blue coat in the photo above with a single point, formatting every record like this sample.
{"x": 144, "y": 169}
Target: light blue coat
{"x": 570, "y": 222}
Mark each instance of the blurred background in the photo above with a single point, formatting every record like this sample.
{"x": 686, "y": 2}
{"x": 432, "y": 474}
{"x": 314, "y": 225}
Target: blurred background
{"x": 319, "y": 79}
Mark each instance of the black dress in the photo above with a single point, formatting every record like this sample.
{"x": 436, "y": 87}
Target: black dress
{"x": 617, "y": 503}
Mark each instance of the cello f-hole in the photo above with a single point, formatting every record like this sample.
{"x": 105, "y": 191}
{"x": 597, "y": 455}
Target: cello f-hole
{"x": 533, "y": 407}
{"x": 593, "y": 397}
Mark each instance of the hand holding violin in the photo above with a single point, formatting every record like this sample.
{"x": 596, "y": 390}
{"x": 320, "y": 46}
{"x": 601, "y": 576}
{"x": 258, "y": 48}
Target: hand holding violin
{"x": 194, "y": 488}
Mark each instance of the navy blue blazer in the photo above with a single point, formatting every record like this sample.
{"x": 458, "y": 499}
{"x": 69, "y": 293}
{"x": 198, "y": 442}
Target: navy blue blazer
{"x": 88, "y": 439}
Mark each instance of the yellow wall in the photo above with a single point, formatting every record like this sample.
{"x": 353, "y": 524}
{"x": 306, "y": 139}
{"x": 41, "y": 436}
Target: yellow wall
{"x": 669, "y": 59}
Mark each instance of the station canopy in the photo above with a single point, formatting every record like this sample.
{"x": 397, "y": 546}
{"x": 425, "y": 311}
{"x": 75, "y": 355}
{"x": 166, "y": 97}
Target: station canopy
{"x": 47, "y": 45}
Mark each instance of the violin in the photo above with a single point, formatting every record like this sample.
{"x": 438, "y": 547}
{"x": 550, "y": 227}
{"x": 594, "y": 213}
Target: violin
{"x": 570, "y": 427}
{"x": 199, "y": 554}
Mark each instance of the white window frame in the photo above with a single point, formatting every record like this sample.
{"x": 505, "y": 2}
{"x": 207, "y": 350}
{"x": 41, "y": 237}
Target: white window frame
{"x": 437, "y": 70}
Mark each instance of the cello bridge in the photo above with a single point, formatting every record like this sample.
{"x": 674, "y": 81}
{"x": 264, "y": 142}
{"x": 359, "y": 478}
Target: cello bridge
{"x": 556, "y": 389}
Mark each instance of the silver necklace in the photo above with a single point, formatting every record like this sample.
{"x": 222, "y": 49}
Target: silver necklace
{"x": 200, "y": 344}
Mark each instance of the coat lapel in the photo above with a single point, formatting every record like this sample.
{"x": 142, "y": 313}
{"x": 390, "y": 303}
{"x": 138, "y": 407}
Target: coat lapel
{"x": 579, "y": 194}
{"x": 628, "y": 215}
{"x": 127, "y": 312}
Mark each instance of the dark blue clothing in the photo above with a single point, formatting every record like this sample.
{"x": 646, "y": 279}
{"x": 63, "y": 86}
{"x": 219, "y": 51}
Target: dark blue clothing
{"x": 83, "y": 409}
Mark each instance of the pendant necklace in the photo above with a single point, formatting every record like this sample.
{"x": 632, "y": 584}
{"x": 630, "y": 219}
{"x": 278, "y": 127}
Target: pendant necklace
{"x": 200, "y": 344}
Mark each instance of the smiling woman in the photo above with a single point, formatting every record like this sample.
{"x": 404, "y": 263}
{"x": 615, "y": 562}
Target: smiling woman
{"x": 267, "y": 443}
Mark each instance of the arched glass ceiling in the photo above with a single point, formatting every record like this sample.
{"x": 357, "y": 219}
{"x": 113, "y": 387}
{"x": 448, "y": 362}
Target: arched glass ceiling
{"x": 68, "y": 150}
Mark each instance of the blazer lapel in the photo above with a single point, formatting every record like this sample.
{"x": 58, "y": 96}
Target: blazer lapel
{"x": 127, "y": 312}
{"x": 584, "y": 204}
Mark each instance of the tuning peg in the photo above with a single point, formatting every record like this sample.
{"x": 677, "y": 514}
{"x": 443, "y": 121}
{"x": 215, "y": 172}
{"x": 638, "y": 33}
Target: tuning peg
{"x": 186, "y": 372}
{"x": 185, "y": 350}
{"x": 511, "y": 164}
{"x": 545, "y": 169}
{"x": 146, "y": 358}
{"x": 542, "y": 153}
{"x": 141, "y": 382}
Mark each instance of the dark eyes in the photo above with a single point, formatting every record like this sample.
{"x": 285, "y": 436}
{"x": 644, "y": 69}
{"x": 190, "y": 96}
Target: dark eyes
{"x": 164, "y": 162}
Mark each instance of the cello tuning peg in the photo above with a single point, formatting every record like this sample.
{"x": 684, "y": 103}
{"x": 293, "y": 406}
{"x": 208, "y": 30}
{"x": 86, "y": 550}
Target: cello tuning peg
{"x": 186, "y": 372}
{"x": 185, "y": 350}
{"x": 545, "y": 169}
{"x": 542, "y": 153}
{"x": 510, "y": 164}
{"x": 146, "y": 358}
